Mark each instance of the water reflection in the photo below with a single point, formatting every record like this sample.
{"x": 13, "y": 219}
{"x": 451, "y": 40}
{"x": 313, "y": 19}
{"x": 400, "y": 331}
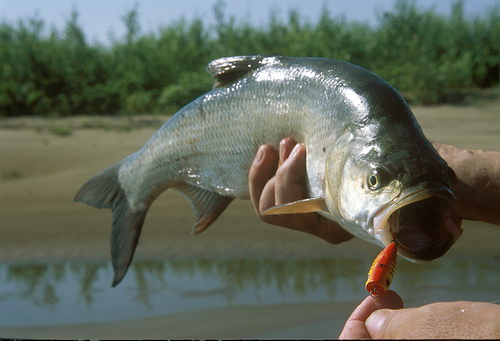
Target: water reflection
{"x": 78, "y": 293}
{"x": 39, "y": 283}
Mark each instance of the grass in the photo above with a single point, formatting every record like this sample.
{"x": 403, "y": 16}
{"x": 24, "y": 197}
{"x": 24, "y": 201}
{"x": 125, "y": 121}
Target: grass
{"x": 61, "y": 131}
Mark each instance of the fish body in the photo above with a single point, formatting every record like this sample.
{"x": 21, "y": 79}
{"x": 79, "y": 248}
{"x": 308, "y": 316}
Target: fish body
{"x": 367, "y": 157}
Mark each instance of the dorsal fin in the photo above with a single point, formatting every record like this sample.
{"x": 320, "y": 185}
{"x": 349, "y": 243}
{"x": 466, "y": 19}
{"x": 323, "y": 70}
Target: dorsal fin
{"x": 229, "y": 69}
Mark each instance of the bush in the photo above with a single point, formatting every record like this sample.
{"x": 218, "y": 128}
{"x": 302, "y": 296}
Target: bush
{"x": 427, "y": 56}
{"x": 188, "y": 87}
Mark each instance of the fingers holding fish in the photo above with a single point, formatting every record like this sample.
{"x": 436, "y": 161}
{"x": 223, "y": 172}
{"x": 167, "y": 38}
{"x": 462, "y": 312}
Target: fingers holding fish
{"x": 290, "y": 184}
{"x": 274, "y": 181}
{"x": 287, "y": 183}
{"x": 286, "y": 147}
{"x": 261, "y": 172}
{"x": 262, "y": 179}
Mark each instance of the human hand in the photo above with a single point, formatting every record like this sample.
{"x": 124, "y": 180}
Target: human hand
{"x": 275, "y": 180}
{"x": 383, "y": 317}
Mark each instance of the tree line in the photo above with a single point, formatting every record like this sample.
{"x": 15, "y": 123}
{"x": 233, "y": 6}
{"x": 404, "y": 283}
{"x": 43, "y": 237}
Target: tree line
{"x": 429, "y": 57}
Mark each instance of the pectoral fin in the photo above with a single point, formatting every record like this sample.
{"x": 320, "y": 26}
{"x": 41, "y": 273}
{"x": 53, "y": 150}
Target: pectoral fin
{"x": 302, "y": 206}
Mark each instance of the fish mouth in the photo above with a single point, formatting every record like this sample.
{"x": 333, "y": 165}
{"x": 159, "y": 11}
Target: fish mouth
{"x": 423, "y": 223}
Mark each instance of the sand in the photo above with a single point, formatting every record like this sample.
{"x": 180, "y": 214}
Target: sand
{"x": 40, "y": 171}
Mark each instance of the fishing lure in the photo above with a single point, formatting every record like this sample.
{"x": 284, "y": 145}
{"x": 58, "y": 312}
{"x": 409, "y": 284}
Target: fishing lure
{"x": 382, "y": 271}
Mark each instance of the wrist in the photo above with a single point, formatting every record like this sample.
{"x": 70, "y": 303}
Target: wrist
{"x": 478, "y": 181}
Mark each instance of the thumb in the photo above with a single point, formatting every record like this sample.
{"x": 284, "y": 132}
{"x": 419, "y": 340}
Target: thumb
{"x": 377, "y": 322}
{"x": 355, "y": 327}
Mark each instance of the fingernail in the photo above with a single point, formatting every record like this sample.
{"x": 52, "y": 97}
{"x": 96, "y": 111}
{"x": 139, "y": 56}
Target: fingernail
{"x": 296, "y": 149}
{"x": 377, "y": 320}
{"x": 281, "y": 150}
{"x": 287, "y": 140}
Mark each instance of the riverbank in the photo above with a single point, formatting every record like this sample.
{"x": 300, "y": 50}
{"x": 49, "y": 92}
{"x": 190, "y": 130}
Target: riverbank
{"x": 41, "y": 169}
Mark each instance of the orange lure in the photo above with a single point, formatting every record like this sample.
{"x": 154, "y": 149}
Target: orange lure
{"x": 382, "y": 271}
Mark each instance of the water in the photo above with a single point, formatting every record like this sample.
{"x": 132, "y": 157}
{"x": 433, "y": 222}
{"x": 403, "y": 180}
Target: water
{"x": 77, "y": 293}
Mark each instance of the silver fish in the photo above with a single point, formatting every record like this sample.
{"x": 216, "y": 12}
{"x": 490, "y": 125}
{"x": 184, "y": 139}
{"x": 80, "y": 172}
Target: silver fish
{"x": 369, "y": 166}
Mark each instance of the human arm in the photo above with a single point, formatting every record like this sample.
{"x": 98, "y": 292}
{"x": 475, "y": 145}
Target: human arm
{"x": 478, "y": 181}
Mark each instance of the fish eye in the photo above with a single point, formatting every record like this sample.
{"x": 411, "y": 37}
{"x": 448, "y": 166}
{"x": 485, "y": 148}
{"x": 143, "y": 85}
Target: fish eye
{"x": 375, "y": 179}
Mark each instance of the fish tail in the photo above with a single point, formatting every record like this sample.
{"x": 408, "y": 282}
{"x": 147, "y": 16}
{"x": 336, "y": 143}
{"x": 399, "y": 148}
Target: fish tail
{"x": 105, "y": 191}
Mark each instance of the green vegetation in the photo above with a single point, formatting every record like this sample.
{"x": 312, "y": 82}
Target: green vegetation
{"x": 429, "y": 57}
{"x": 61, "y": 131}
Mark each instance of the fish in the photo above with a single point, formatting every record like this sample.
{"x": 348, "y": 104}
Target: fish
{"x": 382, "y": 271}
{"x": 369, "y": 166}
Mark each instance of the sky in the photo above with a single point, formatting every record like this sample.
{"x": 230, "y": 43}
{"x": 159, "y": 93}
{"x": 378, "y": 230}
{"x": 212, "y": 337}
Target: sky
{"x": 100, "y": 18}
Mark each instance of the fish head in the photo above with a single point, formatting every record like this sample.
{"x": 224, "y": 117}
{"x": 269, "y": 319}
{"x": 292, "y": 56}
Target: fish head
{"x": 402, "y": 195}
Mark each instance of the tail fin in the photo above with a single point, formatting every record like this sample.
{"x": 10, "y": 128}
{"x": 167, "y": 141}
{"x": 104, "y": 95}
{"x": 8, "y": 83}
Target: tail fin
{"x": 104, "y": 191}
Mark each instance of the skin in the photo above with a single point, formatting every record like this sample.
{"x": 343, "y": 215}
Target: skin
{"x": 384, "y": 318}
{"x": 278, "y": 178}
{"x": 478, "y": 181}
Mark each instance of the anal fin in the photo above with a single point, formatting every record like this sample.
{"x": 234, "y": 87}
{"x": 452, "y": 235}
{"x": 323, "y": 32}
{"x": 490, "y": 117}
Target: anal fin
{"x": 207, "y": 205}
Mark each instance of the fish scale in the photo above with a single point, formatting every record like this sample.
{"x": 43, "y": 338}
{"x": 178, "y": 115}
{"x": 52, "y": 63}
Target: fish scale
{"x": 348, "y": 118}
{"x": 228, "y": 118}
